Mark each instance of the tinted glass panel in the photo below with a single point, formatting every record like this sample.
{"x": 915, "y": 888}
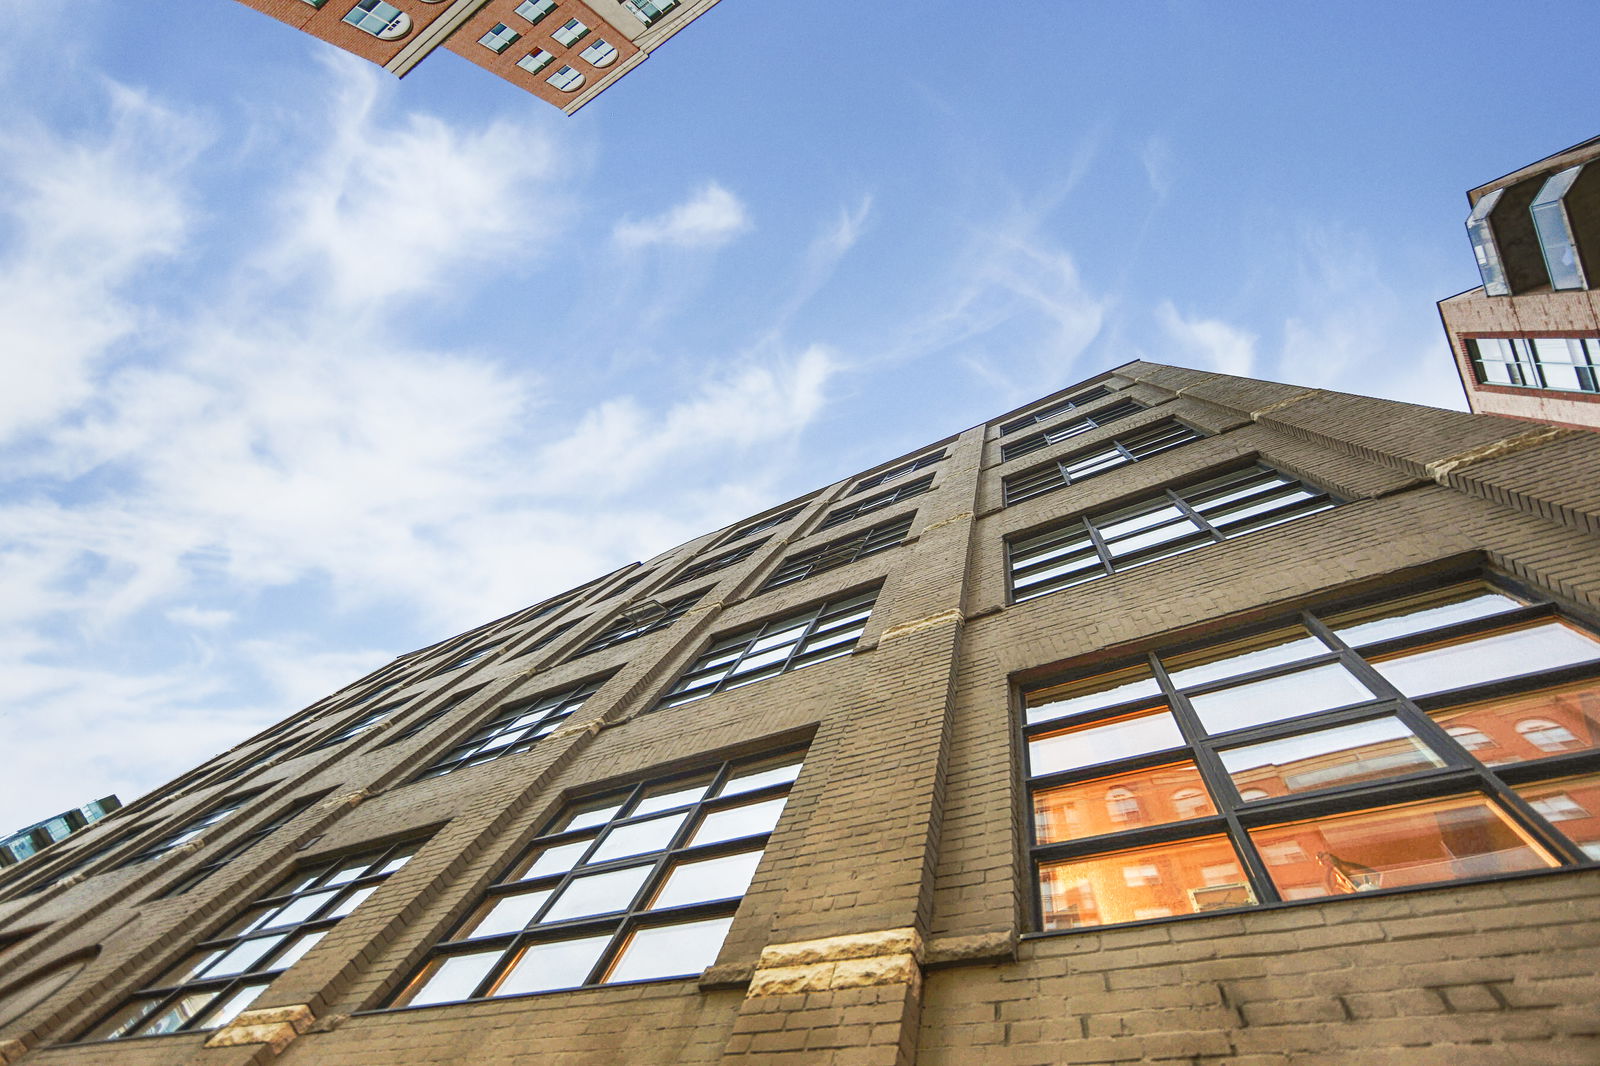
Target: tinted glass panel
{"x": 1328, "y": 758}
{"x": 1157, "y": 882}
{"x": 1488, "y": 657}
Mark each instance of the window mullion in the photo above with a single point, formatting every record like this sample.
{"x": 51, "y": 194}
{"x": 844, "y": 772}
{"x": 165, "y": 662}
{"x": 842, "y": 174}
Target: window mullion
{"x": 1195, "y": 516}
{"x": 1099, "y": 546}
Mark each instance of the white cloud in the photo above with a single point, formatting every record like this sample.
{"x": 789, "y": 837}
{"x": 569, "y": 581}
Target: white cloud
{"x": 712, "y": 217}
{"x": 199, "y": 617}
{"x": 1205, "y": 343}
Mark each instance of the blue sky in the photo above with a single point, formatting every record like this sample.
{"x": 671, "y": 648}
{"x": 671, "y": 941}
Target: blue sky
{"x": 302, "y": 367}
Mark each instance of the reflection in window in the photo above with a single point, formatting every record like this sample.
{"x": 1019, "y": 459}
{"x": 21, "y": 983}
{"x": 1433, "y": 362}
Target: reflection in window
{"x": 535, "y": 10}
{"x": 536, "y": 61}
{"x": 1549, "y": 210}
{"x": 1067, "y": 430}
{"x": 514, "y": 730}
{"x": 1484, "y": 247}
{"x": 637, "y": 885}
{"x": 226, "y": 973}
{"x": 649, "y": 11}
{"x": 1326, "y": 779}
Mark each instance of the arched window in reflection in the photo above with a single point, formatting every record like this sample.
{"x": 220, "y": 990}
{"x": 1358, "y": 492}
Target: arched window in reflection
{"x": 1470, "y": 738}
{"x": 1123, "y": 806}
{"x": 1249, "y": 794}
{"x": 1190, "y": 803}
{"x": 1546, "y": 735}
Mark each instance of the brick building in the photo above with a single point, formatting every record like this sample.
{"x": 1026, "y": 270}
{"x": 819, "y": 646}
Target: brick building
{"x": 565, "y": 52}
{"x": 1173, "y": 717}
{"x": 1527, "y": 341}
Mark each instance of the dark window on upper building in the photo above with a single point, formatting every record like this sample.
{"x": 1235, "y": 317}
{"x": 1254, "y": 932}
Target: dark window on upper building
{"x": 835, "y": 553}
{"x": 1044, "y": 414}
{"x": 764, "y": 524}
{"x": 1352, "y": 749}
{"x": 715, "y": 563}
{"x": 1056, "y": 434}
{"x": 1569, "y": 364}
{"x": 1171, "y": 522}
{"x": 227, "y": 972}
{"x": 514, "y": 730}
{"x": 802, "y": 639}
{"x": 878, "y": 502}
{"x": 193, "y": 828}
{"x": 1140, "y": 444}
{"x": 635, "y": 885}
{"x": 897, "y": 472}
{"x": 636, "y": 623}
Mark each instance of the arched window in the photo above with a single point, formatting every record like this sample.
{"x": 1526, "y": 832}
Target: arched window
{"x": 383, "y": 21}
{"x": 1470, "y": 738}
{"x": 566, "y": 79}
{"x": 1546, "y": 735}
{"x": 599, "y": 54}
{"x": 1190, "y": 803}
{"x": 1123, "y": 806}
{"x": 1249, "y": 794}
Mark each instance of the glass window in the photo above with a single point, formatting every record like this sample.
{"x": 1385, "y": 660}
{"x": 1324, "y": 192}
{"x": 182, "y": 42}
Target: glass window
{"x": 536, "y": 61}
{"x": 637, "y": 895}
{"x": 228, "y": 971}
{"x": 764, "y": 524}
{"x": 1550, "y": 220}
{"x": 566, "y": 80}
{"x": 192, "y": 829}
{"x": 1314, "y": 778}
{"x": 535, "y": 10}
{"x": 1563, "y": 364}
{"x": 1135, "y": 446}
{"x": 628, "y": 627}
{"x": 515, "y": 729}
{"x": 497, "y": 40}
{"x": 1484, "y": 247}
{"x": 1044, "y": 414}
{"x": 877, "y": 502}
{"x": 1067, "y": 430}
{"x": 649, "y": 11}
{"x": 897, "y": 472}
{"x": 1175, "y": 521}
{"x": 384, "y": 21}
{"x": 837, "y": 553}
{"x": 570, "y": 33}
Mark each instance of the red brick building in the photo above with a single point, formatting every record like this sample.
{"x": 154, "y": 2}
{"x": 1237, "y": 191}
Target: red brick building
{"x": 1174, "y": 717}
{"x": 563, "y": 51}
{"x": 1527, "y": 341}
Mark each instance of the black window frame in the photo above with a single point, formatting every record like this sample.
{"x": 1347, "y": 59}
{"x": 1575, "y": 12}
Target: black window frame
{"x": 905, "y": 491}
{"x": 895, "y": 473}
{"x": 1067, "y": 430}
{"x": 622, "y": 630}
{"x": 193, "y": 828}
{"x": 841, "y": 552}
{"x": 764, "y": 524}
{"x": 553, "y": 708}
{"x": 1133, "y": 447}
{"x": 1044, "y": 414}
{"x": 722, "y": 561}
{"x": 1459, "y": 775}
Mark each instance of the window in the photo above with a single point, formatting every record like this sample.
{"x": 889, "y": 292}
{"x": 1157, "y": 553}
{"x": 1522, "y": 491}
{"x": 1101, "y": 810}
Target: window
{"x": 570, "y": 33}
{"x": 384, "y": 21}
{"x": 514, "y": 730}
{"x": 566, "y": 79}
{"x": 191, "y": 829}
{"x": 1066, "y": 430}
{"x": 357, "y": 727}
{"x": 649, "y": 12}
{"x": 1313, "y": 757}
{"x": 1044, "y": 414}
{"x": 227, "y": 972}
{"x": 1176, "y": 521}
{"x": 898, "y": 472}
{"x": 431, "y": 717}
{"x": 634, "y": 624}
{"x": 789, "y": 643}
{"x": 635, "y": 885}
{"x": 1550, "y": 220}
{"x": 715, "y": 563}
{"x": 878, "y": 502}
{"x": 536, "y": 61}
{"x": 838, "y": 553}
{"x": 466, "y": 659}
{"x": 1484, "y": 246}
{"x": 255, "y": 836}
{"x": 1141, "y": 444}
{"x": 764, "y": 524}
{"x": 535, "y": 10}
{"x": 499, "y": 38}
{"x": 1568, "y": 364}
{"x": 599, "y": 54}
{"x": 546, "y": 640}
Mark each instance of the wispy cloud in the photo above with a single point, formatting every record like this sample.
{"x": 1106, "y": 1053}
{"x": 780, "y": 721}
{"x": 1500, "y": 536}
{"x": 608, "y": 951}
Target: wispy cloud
{"x": 710, "y": 218}
{"x": 1205, "y": 343}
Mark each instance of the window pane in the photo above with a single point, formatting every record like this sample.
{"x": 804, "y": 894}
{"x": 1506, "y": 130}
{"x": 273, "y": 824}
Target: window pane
{"x": 1089, "y": 694}
{"x": 296, "y": 911}
{"x": 449, "y": 980}
{"x": 598, "y": 893}
{"x": 1241, "y": 657}
{"x": 1276, "y": 698}
{"x": 670, "y": 951}
{"x": 352, "y": 901}
{"x": 1552, "y": 721}
{"x": 594, "y": 814}
{"x": 123, "y": 1022}
{"x": 760, "y": 776}
{"x": 1129, "y": 886}
{"x": 180, "y": 1013}
{"x": 234, "y": 1006}
{"x": 726, "y": 877}
{"x": 556, "y": 860}
{"x": 297, "y": 950}
{"x": 558, "y": 964}
{"x": 1163, "y": 794}
{"x": 1411, "y": 844}
{"x": 666, "y": 797}
{"x": 1343, "y": 755}
{"x": 1573, "y": 804}
{"x": 507, "y": 915}
{"x": 1121, "y": 738}
{"x": 736, "y": 822}
{"x": 638, "y": 838}
{"x": 244, "y": 956}
{"x": 1488, "y": 657}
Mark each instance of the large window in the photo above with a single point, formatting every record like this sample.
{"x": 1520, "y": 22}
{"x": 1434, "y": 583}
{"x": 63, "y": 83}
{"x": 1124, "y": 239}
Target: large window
{"x": 516, "y": 729}
{"x": 499, "y": 38}
{"x": 1550, "y": 221}
{"x": 1066, "y": 430}
{"x": 764, "y": 524}
{"x": 1569, "y": 364}
{"x": 635, "y": 885}
{"x": 895, "y": 473}
{"x": 1141, "y": 444}
{"x": 639, "y": 620}
{"x": 877, "y": 503}
{"x": 649, "y": 12}
{"x": 227, "y": 972}
{"x": 806, "y": 638}
{"x": 223, "y": 857}
{"x": 570, "y": 32}
{"x": 192, "y": 829}
{"x": 535, "y": 10}
{"x": 1175, "y": 521}
{"x": 836, "y": 553}
{"x": 1445, "y": 735}
{"x": 1044, "y": 414}
{"x": 715, "y": 563}
{"x": 384, "y": 21}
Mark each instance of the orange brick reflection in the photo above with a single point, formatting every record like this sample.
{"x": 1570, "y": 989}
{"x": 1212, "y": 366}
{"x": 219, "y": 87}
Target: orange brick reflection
{"x": 1173, "y": 793}
{"x": 1155, "y": 882}
{"x": 1553, "y": 721}
{"x": 1572, "y": 805}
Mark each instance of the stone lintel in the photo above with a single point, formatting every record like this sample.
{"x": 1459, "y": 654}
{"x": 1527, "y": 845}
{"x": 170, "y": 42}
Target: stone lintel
{"x": 855, "y": 960}
{"x": 904, "y": 941}
{"x": 275, "y": 1027}
{"x": 970, "y": 950}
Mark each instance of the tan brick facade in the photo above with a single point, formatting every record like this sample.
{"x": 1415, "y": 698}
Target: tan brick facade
{"x": 891, "y": 918}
